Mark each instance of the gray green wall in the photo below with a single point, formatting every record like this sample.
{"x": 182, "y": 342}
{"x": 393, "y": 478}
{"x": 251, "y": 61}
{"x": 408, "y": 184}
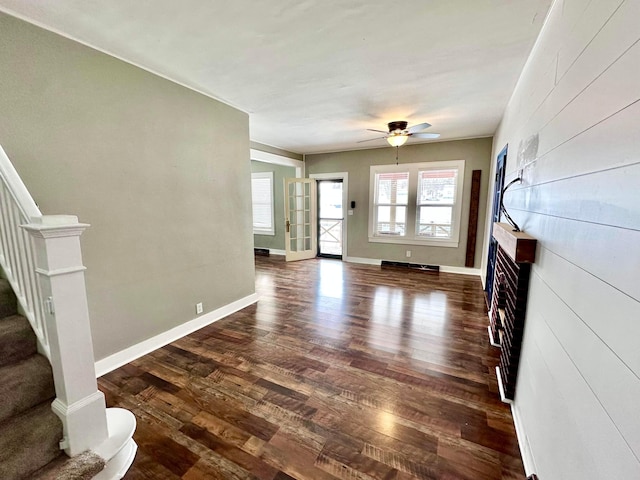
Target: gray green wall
{"x": 476, "y": 152}
{"x": 279, "y": 174}
{"x": 160, "y": 172}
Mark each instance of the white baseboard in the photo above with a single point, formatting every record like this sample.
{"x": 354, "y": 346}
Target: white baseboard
{"x": 460, "y": 270}
{"x": 523, "y": 442}
{"x": 133, "y": 352}
{"x": 364, "y": 261}
{"x": 274, "y": 251}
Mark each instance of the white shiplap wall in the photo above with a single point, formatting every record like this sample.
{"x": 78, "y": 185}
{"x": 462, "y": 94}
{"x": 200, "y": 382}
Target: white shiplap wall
{"x": 578, "y": 394}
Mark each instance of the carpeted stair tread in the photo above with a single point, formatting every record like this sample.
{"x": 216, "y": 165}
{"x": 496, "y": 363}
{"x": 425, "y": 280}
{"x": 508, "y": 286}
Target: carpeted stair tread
{"x": 17, "y": 340}
{"x": 28, "y": 442}
{"x": 8, "y": 302}
{"x": 81, "y": 467}
{"x": 24, "y": 385}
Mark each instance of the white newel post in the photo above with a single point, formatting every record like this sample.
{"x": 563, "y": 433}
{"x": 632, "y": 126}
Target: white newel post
{"x": 79, "y": 403}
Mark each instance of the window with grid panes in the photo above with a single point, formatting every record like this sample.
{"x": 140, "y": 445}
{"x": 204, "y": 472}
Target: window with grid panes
{"x": 416, "y": 203}
{"x": 435, "y": 202}
{"x": 391, "y": 197}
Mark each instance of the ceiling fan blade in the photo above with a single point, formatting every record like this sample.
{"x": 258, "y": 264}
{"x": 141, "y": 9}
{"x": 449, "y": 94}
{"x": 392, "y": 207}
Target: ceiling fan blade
{"x": 425, "y": 135}
{"x": 371, "y": 139}
{"x": 417, "y": 128}
{"x": 379, "y": 131}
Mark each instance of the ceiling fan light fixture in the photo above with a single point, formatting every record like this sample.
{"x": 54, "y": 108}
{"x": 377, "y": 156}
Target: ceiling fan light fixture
{"x": 397, "y": 140}
{"x": 398, "y": 133}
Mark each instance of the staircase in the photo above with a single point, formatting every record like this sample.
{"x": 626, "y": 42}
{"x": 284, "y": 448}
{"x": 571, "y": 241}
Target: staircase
{"x": 54, "y": 424}
{"x": 29, "y": 430}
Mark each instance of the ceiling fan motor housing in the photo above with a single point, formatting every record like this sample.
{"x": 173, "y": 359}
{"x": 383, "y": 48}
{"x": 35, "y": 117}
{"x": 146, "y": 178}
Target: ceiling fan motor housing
{"x": 397, "y": 125}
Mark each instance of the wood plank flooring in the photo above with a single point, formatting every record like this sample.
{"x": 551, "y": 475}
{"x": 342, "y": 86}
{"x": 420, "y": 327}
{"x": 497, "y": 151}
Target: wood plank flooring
{"x": 340, "y": 371}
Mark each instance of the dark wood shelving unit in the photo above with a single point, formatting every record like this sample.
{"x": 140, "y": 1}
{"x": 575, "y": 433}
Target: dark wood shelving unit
{"x": 516, "y": 253}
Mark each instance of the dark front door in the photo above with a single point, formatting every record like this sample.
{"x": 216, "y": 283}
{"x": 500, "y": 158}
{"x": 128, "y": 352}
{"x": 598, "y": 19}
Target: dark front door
{"x": 495, "y": 217}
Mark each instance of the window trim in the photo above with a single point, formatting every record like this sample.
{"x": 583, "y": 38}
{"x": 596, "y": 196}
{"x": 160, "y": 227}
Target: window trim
{"x": 411, "y": 237}
{"x": 264, "y": 231}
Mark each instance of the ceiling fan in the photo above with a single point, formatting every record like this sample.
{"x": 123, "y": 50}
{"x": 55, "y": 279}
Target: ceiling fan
{"x": 398, "y": 133}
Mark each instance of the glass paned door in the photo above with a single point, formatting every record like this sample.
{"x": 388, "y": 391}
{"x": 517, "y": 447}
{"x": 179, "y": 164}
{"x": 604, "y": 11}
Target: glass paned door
{"x": 300, "y": 218}
{"x": 330, "y": 218}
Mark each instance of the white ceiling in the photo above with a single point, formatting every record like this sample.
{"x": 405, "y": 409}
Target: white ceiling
{"x": 315, "y": 74}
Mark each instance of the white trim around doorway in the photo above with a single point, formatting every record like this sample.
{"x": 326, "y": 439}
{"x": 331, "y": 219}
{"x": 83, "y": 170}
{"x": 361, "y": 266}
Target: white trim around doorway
{"x": 344, "y": 176}
{"x": 267, "y": 157}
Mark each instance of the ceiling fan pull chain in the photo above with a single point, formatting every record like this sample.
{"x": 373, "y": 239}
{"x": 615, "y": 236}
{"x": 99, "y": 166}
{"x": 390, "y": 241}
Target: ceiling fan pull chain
{"x": 397, "y": 148}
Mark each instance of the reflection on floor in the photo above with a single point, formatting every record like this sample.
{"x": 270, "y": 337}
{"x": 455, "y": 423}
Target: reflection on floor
{"x": 340, "y": 371}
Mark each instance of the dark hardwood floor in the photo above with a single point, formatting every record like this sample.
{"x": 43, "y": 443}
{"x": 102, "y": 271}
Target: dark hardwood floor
{"x": 340, "y": 371}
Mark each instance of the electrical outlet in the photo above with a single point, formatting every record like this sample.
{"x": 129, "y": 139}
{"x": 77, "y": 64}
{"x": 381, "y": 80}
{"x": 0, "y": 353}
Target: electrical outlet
{"x": 199, "y": 308}
{"x": 408, "y": 253}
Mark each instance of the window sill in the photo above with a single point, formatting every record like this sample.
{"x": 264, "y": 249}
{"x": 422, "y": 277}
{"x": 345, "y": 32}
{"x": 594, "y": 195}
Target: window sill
{"x": 415, "y": 241}
{"x": 270, "y": 234}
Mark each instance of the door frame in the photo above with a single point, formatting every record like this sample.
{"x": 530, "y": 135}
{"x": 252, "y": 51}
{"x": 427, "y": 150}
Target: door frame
{"x": 498, "y": 184}
{"x": 266, "y": 157}
{"x": 344, "y": 176}
{"x": 275, "y": 159}
{"x": 318, "y": 219}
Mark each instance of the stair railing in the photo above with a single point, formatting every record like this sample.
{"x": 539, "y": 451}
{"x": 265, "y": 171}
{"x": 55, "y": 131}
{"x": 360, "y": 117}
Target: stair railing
{"x": 16, "y": 255}
{"x": 41, "y": 258}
